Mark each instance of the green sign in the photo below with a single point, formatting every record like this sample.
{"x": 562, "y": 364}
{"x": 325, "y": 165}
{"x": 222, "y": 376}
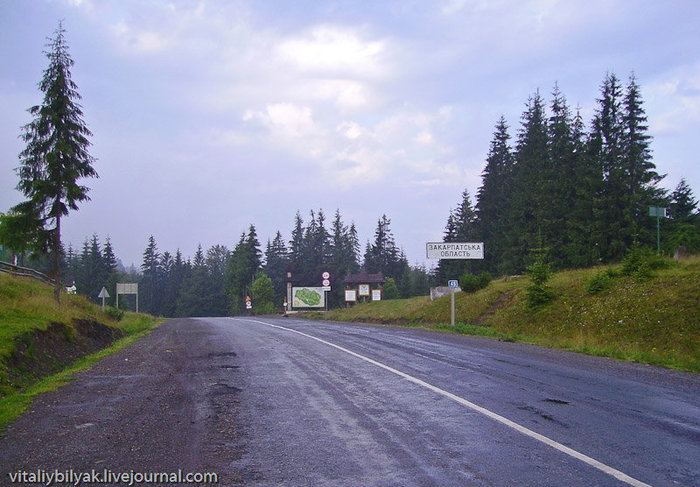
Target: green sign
{"x": 657, "y": 211}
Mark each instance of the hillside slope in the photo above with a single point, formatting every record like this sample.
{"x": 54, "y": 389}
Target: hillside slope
{"x": 653, "y": 320}
{"x": 38, "y": 337}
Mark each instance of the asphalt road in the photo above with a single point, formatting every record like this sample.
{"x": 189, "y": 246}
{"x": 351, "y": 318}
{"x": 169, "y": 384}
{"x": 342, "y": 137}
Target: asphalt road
{"x": 287, "y": 402}
{"x": 374, "y": 405}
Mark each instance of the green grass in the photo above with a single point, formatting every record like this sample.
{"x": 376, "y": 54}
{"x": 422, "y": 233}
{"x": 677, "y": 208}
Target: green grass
{"x": 654, "y": 320}
{"x": 26, "y": 305}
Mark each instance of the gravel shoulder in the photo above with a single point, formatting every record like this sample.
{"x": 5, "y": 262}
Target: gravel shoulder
{"x": 164, "y": 404}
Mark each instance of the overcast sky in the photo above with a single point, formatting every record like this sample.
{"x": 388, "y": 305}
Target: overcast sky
{"x": 208, "y": 116}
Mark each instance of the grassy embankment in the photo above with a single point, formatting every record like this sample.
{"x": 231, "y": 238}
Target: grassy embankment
{"x": 655, "y": 320}
{"x": 27, "y": 309}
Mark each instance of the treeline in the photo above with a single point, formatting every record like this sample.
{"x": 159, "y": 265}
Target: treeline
{"x": 217, "y": 281}
{"x": 562, "y": 193}
{"x": 571, "y": 196}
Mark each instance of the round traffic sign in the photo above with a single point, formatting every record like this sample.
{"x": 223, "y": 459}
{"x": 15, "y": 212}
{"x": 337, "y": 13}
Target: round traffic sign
{"x": 326, "y": 275}
{"x": 326, "y": 282}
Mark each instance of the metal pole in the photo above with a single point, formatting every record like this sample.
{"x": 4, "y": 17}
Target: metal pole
{"x": 452, "y": 304}
{"x": 658, "y": 233}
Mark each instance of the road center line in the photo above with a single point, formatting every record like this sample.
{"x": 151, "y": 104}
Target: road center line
{"x": 623, "y": 477}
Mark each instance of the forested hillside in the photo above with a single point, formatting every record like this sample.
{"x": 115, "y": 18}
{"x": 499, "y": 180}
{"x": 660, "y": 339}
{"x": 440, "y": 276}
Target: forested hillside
{"x": 561, "y": 191}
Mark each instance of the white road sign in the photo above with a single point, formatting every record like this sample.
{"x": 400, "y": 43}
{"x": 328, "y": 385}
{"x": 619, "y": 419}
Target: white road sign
{"x": 454, "y": 250}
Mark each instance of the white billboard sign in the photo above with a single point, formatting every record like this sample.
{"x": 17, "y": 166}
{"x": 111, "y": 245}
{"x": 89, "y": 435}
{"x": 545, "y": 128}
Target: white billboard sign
{"x": 127, "y": 288}
{"x": 454, "y": 250}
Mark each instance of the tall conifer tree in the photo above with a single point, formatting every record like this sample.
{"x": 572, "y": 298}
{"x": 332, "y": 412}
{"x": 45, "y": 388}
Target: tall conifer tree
{"x": 528, "y": 208}
{"x": 55, "y": 158}
{"x": 494, "y": 195}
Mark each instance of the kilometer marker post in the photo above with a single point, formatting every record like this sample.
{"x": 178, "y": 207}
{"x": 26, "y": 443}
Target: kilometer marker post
{"x": 453, "y": 284}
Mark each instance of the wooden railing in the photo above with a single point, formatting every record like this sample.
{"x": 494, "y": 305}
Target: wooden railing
{"x": 25, "y": 271}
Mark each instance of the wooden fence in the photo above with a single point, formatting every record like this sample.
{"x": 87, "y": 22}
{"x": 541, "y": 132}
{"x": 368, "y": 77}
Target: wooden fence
{"x": 25, "y": 271}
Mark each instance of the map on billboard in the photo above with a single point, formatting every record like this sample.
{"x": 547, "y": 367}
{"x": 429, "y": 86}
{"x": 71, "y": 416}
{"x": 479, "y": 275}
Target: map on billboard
{"x": 308, "y": 297}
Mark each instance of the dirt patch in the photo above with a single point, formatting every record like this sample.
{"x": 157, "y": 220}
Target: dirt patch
{"x": 45, "y": 352}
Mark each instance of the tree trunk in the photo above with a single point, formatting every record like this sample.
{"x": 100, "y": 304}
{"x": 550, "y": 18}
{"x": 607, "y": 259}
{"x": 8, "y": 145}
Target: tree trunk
{"x": 57, "y": 261}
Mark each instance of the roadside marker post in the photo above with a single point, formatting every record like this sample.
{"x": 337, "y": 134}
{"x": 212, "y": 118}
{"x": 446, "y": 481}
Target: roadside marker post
{"x": 453, "y": 284}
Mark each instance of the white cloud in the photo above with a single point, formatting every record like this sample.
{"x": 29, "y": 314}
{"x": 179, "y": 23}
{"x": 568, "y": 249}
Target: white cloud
{"x": 673, "y": 101}
{"x": 142, "y": 41}
{"x": 333, "y": 51}
{"x": 284, "y": 119}
{"x": 424, "y": 137}
{"x": 351, "y": 130}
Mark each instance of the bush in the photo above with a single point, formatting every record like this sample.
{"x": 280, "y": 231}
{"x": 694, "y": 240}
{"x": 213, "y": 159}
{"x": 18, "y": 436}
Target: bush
{"x": 471, "y": 282}
{"x": 539, "y": 294}
{"x": 640, "y": 262}
{"x": 390, "y": 291}
{"x": 114, "y": 313}
{"x": 263, "y": 295}
{"x": 601, "y": 282}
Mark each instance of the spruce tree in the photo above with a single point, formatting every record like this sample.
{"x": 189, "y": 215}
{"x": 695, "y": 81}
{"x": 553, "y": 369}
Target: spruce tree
{"x": 296, "y": 245}
{"x": 55, "y": 158}
{"x": 528, "y": 205}
{"x": 639, "y": 171}
{"x": 460, "y": 227}
{"x": 383, "y": 255}
{"x": 613, "y": 234}
{"x": 149, "y": 289}
{"x": 562, "y": 229}
{"x": 169, "y": 290}
{"x": 493, "y": 198}
{"x": 683, "y": 206}
{"x": 194, "y": 295}
{"x": 580, "y": 226}
{"x": 216, "y": 262}
{"x": 244, "y": 263}
{"x": 343, "y": 256}
{"x": 276, "y": 262}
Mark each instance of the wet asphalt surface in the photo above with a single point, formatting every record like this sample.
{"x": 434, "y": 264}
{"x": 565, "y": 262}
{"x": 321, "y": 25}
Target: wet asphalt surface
{"x": 265, "y": 406}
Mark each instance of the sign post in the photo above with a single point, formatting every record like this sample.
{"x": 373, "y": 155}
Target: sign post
{"x": 659, "y": 213}
{"x": 103, "y": 294}
{"x": 128, "y": 288}
{"x": 453, "y": 284}
{"x": 326, "y": 286}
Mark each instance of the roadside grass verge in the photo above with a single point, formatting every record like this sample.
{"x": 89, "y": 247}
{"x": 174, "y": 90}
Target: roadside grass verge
{"x": 652, "y": 319}
{"x": 27, "y": 306}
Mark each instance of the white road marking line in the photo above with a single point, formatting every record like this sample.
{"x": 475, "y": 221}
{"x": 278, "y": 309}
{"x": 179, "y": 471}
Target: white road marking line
{"x": 623, "y": 477}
